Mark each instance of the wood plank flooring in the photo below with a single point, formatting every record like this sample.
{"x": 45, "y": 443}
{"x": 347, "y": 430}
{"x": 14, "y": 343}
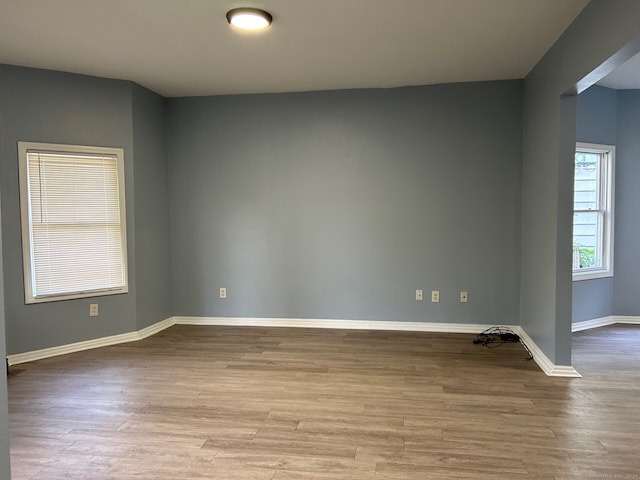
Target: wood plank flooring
{"x": 205, "y": 402}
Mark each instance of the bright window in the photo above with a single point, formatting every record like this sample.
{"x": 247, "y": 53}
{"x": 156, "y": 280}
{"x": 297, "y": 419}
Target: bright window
{"x": 593, "y": 211}
{"x": 73, "y": 221}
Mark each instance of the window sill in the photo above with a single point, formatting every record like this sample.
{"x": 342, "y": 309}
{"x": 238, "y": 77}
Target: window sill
{"x": 73, "y": 296}
{"x": 592, "y": 275}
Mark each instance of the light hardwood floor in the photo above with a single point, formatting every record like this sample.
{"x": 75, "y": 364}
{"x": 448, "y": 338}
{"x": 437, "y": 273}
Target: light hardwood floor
{"x": 196, "y": 402}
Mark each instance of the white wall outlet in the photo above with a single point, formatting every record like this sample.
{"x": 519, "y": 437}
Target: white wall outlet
{"x": 435, "y": 296}
{"x": 223, "y": 292}
{"x": 464, "y": 297}
{"x": 418, "y": 294}
{"x": 93, "y": 310}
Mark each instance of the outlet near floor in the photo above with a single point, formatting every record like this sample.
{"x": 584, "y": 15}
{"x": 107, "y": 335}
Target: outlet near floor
{"x": 93, "y": 310}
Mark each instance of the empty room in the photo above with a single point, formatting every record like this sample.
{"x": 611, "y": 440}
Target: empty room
{"x": 338, "y": 239}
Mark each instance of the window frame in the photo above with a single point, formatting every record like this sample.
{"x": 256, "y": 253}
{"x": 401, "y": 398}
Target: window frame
{"x": 26, "y": 224}
{"x": 606, "y": 192}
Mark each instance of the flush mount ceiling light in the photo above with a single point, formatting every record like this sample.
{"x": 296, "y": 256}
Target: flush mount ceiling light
{"x": 249, "y": 18}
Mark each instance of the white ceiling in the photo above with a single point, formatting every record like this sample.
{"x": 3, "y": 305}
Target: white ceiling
{"x": 186, "y": 47}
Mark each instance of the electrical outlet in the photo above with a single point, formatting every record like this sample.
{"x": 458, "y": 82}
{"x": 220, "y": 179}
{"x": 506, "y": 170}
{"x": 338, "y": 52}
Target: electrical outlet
{"x": 93, "y": 310}
{"x": 223, "y": 292}
{"x": 464, "y": 297}
{"x": 419, "y": 295}
{"x": 435, "y": 296}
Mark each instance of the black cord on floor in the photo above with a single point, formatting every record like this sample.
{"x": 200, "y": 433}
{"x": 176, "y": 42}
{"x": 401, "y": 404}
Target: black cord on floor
{"x": 496, "y": 336}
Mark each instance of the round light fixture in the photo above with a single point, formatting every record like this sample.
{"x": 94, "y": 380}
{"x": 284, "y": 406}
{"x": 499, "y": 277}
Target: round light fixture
{"x": 249, "y": 18}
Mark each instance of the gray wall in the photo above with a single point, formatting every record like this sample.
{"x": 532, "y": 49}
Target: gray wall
{"x": 153, "y": 272}
{"x": 597, "y": 116}
{"x": 45, "y": 106}
{"x": 626, "y": 297}
{"x": 595, "y": 123}
{"x": 5, "y": 464}
{"x": 604, "y": 35}
{"x": 341, "y": 204}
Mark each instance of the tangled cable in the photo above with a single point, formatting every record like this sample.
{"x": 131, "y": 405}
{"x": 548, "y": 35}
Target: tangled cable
{"x": 496, "y": 336}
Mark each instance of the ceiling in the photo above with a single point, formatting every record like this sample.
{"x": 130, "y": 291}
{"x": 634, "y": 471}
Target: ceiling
{"x": 186, "y": 47}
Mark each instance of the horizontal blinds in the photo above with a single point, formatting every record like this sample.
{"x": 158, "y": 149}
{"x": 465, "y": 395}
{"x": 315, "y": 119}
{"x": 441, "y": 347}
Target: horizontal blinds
{"x": 74, "y": 210}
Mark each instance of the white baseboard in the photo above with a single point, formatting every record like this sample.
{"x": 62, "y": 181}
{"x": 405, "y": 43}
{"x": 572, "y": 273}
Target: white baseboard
{"x": 627, "y": 319}
{"x": 155, "y": 328}
{"x": 89, "y": 344}
{"x": 543, "y": 361}
{"x": 603, "y": 322}
{"x": 539, "y": 357}
{"x": 334, "y": 323}
{"x": 595, "y": 323}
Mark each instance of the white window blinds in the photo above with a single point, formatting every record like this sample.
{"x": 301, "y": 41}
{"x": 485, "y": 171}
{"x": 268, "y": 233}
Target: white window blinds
{"x": 76, "y": 223}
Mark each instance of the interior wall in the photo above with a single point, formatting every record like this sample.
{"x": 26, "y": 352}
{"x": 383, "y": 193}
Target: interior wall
{"x": 5, "y": 464}
{"x": 596, "y": 122}
{"x": 626, "y": 300}
{"x": 152, "y": 256}
{"x": 602, "y": 37}
{"x": 54, "y": 107}
{"x": 341, "y": 204}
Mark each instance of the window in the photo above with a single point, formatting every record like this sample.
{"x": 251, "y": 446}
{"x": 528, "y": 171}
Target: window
{"x": 593, "y": 211}
{"x": 73, "y": 221}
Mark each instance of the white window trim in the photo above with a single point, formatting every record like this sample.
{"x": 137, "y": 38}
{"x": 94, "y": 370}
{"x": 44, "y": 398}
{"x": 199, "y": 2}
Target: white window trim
{"x": 608, "y": 201}
{"x": 23, "y": 148}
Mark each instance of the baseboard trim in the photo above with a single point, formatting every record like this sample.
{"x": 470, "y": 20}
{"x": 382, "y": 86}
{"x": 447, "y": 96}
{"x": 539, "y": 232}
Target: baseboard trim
{"x": 604, "y": 321}
{"x": 155, "y": 328}
{"x": 89, "y": 344}
{"x": 334, "y": 323}
{"x": 595, "y": 323}
{"x": 627, "y": 319}
{"x": 547, "y": 366}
